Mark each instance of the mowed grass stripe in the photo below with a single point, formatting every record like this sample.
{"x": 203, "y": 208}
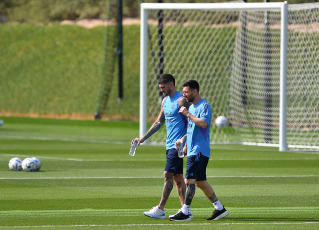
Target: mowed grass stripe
{"x": 129, "y": 159}
{"x": 65, "y": 139}
{"x": 238, "y": 217}
{"x": 152, "y": 225}
{"x": 138, "y": 212}
{"x": 87, "y": 178}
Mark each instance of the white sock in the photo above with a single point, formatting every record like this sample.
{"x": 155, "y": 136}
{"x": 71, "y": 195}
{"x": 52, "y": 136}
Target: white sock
{"x": 218, "y": 205}
{"x": 185, "y": 209}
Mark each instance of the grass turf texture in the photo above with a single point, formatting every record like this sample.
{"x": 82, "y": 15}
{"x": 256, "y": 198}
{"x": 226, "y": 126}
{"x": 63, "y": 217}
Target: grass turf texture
{"x": 88, "y": 181}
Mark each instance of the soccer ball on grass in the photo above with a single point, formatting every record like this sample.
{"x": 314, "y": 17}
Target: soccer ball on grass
{"x": 221, "y": 122}
{"x": 15, "y": 164}
{"x": 37, "y": 163}
{"x": 29, "y": 165}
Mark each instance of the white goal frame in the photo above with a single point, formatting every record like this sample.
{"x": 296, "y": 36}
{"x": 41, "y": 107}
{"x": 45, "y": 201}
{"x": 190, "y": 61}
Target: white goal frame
{"x": 282, "y": 7}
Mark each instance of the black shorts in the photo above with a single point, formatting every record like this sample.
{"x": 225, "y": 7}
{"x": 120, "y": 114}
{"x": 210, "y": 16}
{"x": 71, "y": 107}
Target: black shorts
{"x": 174, "y": 164}
{"x": 196, "y": 167}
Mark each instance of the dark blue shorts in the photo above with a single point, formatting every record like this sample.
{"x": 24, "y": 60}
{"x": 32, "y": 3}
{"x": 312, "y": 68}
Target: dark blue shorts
{"x": 196, "y": 167}
{"x": 174, "y": 164}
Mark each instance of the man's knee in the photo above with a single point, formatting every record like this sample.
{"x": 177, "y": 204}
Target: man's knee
{"x": 178, "y": 177}
{"x": 201, "y": 184}
{"x": 168, "y": 175}
{"x": 190, "y": 181}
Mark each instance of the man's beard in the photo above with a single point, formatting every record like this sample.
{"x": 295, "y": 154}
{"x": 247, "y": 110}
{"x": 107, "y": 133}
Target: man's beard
{"x": 190, "y": 99}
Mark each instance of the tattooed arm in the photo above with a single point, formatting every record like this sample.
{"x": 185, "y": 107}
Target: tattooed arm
{"x": 198, "y": 121}
{"x": 155, "y": 127}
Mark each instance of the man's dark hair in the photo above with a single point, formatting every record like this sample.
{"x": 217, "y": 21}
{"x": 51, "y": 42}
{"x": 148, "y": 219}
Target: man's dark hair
{"x": 166, "y": 78}
{"x": 192, "y": 84}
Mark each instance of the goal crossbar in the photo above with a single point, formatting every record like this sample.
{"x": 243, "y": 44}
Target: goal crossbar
{"x": 213, "y": 6}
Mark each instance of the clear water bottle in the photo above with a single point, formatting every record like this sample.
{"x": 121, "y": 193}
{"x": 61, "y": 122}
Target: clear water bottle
{"x": 133, "y": 147}
{"x": 180, "y": 150}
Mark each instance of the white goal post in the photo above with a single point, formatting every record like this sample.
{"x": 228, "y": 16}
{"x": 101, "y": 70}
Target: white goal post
{"x": 183, "y": 26}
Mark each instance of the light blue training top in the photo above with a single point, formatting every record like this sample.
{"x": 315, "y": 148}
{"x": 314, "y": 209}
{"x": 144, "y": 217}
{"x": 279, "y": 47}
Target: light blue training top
{"x": 175, "y": 122}
{"x": 198, "y": 138}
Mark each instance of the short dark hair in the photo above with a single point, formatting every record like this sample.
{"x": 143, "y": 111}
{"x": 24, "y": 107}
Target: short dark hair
{"x": 166, "y": 78}
{"x": 192, "y": 84}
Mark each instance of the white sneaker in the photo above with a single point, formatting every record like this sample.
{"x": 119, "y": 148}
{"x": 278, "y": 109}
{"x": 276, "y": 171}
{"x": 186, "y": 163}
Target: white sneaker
{"x": 189, "y": 213}
{"x": 156, "y": 213}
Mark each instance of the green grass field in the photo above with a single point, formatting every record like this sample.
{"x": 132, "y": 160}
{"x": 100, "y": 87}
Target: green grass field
{"x": 88, "y": 181}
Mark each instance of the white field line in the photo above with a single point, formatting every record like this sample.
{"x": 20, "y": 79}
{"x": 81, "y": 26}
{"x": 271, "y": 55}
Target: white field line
{"x": 180, "y": 224}
{"x": 214, "y": 146}
{"x": 64, "y": 139}
{"x": 163, "y": 159}
{"x": 127, "y": 177}
{"x": 42, "y": 157}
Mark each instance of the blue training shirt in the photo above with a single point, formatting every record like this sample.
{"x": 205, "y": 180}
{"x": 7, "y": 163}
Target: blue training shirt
{"x": 175, "y": 122}
{"x": 198, "y": 138}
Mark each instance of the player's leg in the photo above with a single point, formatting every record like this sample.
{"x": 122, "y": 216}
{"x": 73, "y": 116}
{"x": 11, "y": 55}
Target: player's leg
{"x": 168, "y": 186}
{"x": 178, "y": 176}
{"x": 158, "y": 211}
{"x": 220, "y": 211}
{"x": 190, "y": 179}
{"x": 173, "y": 172}
{"x": 180, "y": 186}
{"x": 208, "y": 190}
{"x": 190, "y": 193}
{"x": 180, "y": 182}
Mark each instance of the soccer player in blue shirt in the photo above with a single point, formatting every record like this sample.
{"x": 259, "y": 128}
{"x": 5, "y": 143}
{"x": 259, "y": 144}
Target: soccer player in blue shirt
{"x": 198, "y": 152}
{"x": 176, "y": 125}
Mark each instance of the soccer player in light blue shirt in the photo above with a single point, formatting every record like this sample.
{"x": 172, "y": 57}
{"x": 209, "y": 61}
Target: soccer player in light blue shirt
{"x": 198, "y": 137}
{"x": 176, "y": 125}
{"x": 198, "y": 152}
{"x": 175, "y": 122}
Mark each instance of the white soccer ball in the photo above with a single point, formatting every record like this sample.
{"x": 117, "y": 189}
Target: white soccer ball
{"x": 15, "y": 164}
{"x": 37, "y": 163}
{"x": 29, "y": 165}
{"x": 221, "y": 122}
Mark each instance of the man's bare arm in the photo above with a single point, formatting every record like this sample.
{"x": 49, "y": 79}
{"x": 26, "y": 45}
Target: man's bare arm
{"x": 198, "y": 121}
{"x": 155, "y": 127}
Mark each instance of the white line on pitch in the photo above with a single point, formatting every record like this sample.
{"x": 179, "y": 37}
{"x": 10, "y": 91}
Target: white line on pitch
{"x": 215, "y": 146}
{"x": 65, "y": 139}
{"x": 212, "y": 159}
{"x": 163, "y": 159}
{"x": 43, "y": 157}
{"x": 127, "y": 177}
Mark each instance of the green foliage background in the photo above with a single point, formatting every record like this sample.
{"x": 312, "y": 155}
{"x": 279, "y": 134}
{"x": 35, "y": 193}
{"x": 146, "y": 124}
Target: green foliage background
{"x": 46, "y": 11}
{"x": 56, "y": 70}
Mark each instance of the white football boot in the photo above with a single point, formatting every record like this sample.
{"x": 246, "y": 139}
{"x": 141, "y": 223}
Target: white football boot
{"x": 156, "y": 213}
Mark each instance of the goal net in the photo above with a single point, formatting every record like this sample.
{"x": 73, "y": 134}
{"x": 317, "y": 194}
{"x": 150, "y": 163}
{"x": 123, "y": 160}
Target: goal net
{"x": 256, "y": 63}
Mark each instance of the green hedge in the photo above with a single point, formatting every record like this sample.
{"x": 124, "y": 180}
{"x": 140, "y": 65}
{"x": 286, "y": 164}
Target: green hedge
{"x": 56, "y": 70}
